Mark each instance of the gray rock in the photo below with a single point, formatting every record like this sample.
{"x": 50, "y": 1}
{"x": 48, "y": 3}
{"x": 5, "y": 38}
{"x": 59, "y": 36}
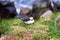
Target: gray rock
{"x": 47, "y": 15}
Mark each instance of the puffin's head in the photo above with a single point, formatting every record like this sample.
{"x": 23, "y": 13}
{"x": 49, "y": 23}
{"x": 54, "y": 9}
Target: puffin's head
{"x": 29, "y": 20}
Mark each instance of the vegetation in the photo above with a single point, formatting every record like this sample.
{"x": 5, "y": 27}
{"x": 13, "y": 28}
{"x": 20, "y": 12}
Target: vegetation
{"x": 42, "y": 30}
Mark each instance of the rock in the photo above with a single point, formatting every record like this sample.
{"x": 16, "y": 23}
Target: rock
{"x": 2, "y": 38}
{"x": 47, "y": 15}
{"x": 7, "y": 10}
{"x": 25, "y": 11}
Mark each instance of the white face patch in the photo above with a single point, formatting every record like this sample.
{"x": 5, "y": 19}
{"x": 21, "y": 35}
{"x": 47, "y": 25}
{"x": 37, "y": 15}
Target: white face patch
{"x": 31, "y": 18}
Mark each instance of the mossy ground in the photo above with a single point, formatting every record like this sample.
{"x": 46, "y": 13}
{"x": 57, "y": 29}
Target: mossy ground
{"x": 43, "y": 30}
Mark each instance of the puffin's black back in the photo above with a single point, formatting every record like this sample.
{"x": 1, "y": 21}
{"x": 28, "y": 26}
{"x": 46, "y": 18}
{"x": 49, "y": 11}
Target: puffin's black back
{"x": 7, "y": 9}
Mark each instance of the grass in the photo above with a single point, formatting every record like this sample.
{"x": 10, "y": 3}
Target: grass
{"x": 16, "y": 26}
